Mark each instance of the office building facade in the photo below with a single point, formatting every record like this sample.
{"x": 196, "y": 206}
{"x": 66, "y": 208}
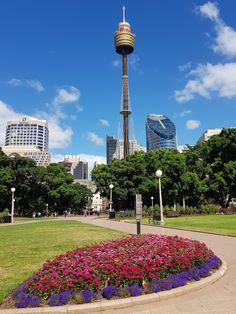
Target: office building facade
{"x": 76, "y": 167}
{"x": 160, "y": 132}
{"x": 28, "y": 137}
{"x": 115, "y": 148}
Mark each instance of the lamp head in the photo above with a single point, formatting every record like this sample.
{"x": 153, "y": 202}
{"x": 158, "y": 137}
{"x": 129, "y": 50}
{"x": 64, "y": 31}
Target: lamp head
{"x": 152, "y": 197}
{"x": 13, "y": 190}
{"x": 111, "y": 186}
{"x": 158, "y": 173}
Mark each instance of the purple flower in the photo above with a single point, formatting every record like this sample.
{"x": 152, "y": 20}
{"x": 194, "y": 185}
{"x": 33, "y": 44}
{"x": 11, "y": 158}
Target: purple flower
{"x": 155, "y": 286}
{"x": 87, "y": 295}
{"x": 109, "y": 292}
{"x": 27, "y": 300}
{"x": 135, "y": 290}
{"x": 59, "y": 298}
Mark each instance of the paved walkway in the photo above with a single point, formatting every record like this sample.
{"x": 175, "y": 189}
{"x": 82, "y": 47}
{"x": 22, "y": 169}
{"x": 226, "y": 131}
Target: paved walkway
{"x": 218, "y": 298}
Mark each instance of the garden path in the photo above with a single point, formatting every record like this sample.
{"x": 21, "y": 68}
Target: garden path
{"x": 218, "y": 298}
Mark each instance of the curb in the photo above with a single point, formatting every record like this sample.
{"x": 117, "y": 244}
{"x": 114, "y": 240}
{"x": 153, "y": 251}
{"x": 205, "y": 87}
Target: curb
{"x": 104, "y": 305}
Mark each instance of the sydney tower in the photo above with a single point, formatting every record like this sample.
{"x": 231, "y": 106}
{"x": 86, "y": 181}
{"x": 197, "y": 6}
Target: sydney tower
{"x": 124, "y": 43}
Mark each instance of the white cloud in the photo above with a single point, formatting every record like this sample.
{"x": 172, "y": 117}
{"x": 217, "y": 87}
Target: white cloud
{"x": 94, "y": 138}
{"x": 219, "y": 78}
{"x": 185, "y": 67}
{"x": 35, "y": 84}
{"x": 210, "y": 10}
{"x": 185, "y": 113}
{"x": 6, "y": 113}
{"x": 91, "y": 159}
{"x": 104, "y": 122}
{"x": 225, "y": 42}
{"x": 15, "y": 82}
{"x": 79, "y": 108}
{"x": 56, "y": 158}
{"x": 66, "y": 96}
{"x": 134, "y": 62}
{"x": 192, "y": 124}
{"x": 59, "y": 136}
{"x": 116, "y": 63}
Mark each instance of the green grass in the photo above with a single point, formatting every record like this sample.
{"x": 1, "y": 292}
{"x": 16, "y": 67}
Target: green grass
{"x": 25, "y": 247}
{"x": 222, "y": 224}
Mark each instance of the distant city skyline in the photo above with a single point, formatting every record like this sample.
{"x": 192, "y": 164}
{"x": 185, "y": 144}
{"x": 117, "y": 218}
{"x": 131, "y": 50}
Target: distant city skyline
{"x": 65, "y": 69}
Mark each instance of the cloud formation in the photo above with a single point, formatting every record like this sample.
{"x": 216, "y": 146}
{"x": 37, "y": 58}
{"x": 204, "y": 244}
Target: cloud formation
{"x": 72, "y": 94}
{"x": 104, "y": 122}
{"x": 6, "y": 113}
{"x": 225, "y": 41}
{"x": 219, "y": 78}
{"x": 185, "y": 113}
{"x": 209, "y": 78}
{"x": 192, "y": 124}
{"x": 94, "y": 138}
{"x": 35, "y": 84}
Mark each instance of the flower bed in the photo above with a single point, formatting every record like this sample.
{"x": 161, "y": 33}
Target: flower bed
{"x": 129, "y": 266}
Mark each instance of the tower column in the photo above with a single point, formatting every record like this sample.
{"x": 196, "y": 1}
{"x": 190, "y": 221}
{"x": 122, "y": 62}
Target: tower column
{"x": 125, "y": 104}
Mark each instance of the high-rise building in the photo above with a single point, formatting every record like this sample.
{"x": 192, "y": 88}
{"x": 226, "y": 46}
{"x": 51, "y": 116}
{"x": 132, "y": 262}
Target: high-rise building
{"x": 124, "y": 44}
{"x": 76, "y": 167}
{"x": 209, "y": 133}
{"x": 81, "y": 171}
{"x": 160, "y": 132}
{"x": 115, "y": 148}
{"x": 28, "y": 137}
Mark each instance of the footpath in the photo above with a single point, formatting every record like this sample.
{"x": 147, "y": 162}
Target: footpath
{"x": 217, "y": 298}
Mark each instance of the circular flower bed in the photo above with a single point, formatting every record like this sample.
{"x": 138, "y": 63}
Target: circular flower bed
{"x": 129, "y": 266}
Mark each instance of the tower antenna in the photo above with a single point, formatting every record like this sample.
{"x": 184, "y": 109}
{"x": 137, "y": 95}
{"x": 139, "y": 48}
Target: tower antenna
{"x": 123, "y": 8}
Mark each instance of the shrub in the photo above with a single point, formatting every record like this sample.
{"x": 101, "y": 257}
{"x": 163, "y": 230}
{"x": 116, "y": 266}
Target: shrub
{"x": 3, "y": 215}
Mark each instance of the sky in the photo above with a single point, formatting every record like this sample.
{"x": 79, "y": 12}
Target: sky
{"x": 58, "y": 62}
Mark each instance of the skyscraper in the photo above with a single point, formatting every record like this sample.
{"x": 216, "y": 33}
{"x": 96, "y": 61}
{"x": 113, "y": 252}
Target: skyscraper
{"x": 28, "y": 137}
{"x": 160, "y": 132}
{"x": 124, "y": 44}
{"x": 115, "y": 148}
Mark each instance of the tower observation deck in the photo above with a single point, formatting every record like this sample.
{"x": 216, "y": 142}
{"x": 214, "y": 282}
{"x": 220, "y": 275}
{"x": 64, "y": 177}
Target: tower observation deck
{"x": 124, "y": 44}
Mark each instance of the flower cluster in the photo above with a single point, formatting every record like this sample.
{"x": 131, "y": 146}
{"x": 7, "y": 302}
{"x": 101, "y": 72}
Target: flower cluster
{"x": 60, "y": 298}
{"x": 120, "y": 267}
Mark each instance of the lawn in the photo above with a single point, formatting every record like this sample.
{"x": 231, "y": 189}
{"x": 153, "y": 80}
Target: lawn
{"x": 222, "y": 224}
{"x": 25, "y": 247}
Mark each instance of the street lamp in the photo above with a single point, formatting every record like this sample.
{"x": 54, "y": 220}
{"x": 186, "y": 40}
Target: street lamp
{"x": 158, "y": 175}
{"x": 12, "y": 204}
{"x": 111, "y": 211}
{"x": 46, "y": 209}
{"x": 152, "y": 200}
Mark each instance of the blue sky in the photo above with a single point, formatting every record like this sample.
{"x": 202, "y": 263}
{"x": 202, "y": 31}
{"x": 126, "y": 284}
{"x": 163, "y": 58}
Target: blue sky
{"x": 58, "y": 62}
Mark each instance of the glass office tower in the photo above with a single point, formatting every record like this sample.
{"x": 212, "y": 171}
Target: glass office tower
{"x": 160, "y": 132}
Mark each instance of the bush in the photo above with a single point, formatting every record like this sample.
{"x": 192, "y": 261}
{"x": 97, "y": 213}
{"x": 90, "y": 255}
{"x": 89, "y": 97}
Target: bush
{"x": 3, "y": 215}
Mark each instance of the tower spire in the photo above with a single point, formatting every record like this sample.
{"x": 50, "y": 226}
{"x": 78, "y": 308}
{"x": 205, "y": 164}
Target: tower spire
{"x": 123, "y": 8}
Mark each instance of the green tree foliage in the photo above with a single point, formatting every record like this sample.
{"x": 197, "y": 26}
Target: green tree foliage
{"x": 203, "y": 173}
{"x": 38, "y": 186}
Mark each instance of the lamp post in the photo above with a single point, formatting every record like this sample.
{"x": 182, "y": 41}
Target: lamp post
{"x": 12, "y": 204}
{"x": 158, "y": 175}
{"x": 152, "y": 200}
{"x": 111, "y": 211}
{"x": 46, "y": 209}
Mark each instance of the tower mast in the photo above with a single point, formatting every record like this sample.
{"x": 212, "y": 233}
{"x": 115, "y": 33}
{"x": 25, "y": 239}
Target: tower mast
{"x": 124, "y": 43}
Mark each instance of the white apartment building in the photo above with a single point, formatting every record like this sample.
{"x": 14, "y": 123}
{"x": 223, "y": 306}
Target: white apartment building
{"x": 28, "y": 137}
{"x": 209, "y": 133}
